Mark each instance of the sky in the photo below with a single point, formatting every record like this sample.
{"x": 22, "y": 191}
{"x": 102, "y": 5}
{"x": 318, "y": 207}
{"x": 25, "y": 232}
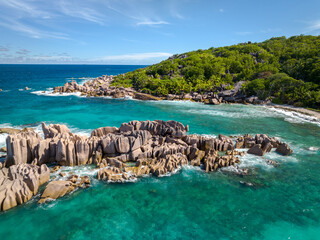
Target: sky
{"x": 142, "y": 31}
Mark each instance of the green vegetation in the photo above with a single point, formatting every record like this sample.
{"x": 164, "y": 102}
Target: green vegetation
{"x": 284, "y": 70}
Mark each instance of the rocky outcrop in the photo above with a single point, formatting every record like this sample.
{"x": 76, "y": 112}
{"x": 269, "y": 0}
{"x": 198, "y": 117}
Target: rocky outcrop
{"x": 113, "y": 174}
{"x": 213, "y": 160}
{"x": 102, "y": 86}
{"x": 9, "y": 130}
{"x": 258, "y": 145}
{"x": 158, "y": 147}
{"x": 54, "y": 130}
{"x": 60, "y": 188}
{"x": 19, "y": 183}
{"x": 56, "y": 189}
{"x": 284, "y": 149}
{"x": 99, "y": 132}
{"x": 157, "y": 127}
{"x": 21, "y": 147}
{"x": 123, "y": 154}
{"x": 169, "y": 164}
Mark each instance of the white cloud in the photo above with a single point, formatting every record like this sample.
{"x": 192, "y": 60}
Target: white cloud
{"x": 46, "y": 58}
{"x": 45, "y": 19}
{"x": 150, "y": 23}
{"x": 79, "y": 10}
{"x": 135, "y": 56}
{"x": 24, "y": 6}
{"x": 244, "y": 33}
{"x": 313, "y": 26}
{"x": 31, "y": 31}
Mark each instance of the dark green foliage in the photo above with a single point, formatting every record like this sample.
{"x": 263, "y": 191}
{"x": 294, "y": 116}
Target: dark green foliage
{"x": 288, "y": 70}
{"x": 285, "y": 89}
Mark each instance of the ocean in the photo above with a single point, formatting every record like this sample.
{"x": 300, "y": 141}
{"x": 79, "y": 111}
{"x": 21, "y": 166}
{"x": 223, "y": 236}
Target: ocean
{"x": 284, "y": 202}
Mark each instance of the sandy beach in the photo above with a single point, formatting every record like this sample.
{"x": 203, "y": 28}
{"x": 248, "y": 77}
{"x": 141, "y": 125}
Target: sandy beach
{"x": 298, "y": 110}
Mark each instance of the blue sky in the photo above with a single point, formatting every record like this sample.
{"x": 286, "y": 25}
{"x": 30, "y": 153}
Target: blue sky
{"x": 142, "y": 31}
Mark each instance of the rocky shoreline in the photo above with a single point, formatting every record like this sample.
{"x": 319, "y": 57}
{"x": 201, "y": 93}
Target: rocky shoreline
{"x": 135, "y": 149}
{"x": 300, "y": 110}
{"x": 101, "y": 86}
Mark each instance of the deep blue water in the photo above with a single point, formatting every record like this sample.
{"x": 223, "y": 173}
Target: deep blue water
{"x": 283, "y": 204}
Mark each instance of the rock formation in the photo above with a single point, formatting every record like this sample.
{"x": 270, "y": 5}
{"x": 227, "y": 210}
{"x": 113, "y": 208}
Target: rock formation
{"x": 259, "y": 145}
{"x": 284, "y": 149}
{"x": 102, "y": 86}
{"x": 60, "y": 188}
{"x": 132, "y": 141}
{"x": 56, "y": 189}
{"x": 152, "y": 147}
{"x": 20, "y": 182}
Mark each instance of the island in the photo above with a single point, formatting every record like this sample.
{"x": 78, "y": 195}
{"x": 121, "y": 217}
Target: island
{"x": 274, "y": 72}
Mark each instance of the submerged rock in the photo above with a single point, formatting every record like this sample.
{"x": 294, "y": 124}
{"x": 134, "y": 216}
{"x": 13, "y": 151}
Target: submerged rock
{"x": 273, "y": 163}
{"x": 247, "y": 184}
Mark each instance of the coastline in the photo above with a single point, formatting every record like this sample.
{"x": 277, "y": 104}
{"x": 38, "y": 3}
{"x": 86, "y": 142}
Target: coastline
{"x": 299, "y": 110}
{"x": 101, "y": 87}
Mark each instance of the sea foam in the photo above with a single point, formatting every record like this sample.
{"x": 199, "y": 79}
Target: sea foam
{"x": 51, "y": 94}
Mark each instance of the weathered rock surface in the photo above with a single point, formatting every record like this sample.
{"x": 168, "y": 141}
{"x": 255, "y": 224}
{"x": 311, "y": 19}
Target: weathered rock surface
{"x": 284, "y": 149}
{"x": 21, "y": 147}
{"x": 19, "y": 183}
{"x": 54, "y": 130}
{"x": 213, "y": 160}
{"x": 99, "y": 132}
{"x": 113, "y": 174}
{"x": 56, "y": 189}
{"x": 158, "y": 148}
{"x": 10, "y": 130}
{"x": 259, "y": 145}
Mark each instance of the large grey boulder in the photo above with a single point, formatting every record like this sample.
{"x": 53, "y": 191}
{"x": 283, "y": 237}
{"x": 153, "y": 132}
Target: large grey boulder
{"x": 56, "y": 189}
{"x": 19, "y": 183}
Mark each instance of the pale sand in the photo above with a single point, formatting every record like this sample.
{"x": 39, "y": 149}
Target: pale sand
{"x": 297, "y": 109}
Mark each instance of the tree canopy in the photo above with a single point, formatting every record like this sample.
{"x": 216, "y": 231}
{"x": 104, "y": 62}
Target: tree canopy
{"x": 287, "y": 70}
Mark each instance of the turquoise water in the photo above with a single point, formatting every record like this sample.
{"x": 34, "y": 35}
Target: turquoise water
{"x": 283, "y": 204}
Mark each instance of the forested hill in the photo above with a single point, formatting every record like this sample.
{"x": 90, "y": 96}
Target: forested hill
{"x": 286, "y": 70}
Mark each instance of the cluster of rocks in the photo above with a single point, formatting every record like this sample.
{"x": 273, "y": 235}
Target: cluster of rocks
{"x": 57, "y": 189}
{"x": 261, "y": 144}
{"x": 101, "y": 86}
{"x": 123, "y": 154}
{"x": 20, "y": 182}
{"x": 221, "y": 96}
